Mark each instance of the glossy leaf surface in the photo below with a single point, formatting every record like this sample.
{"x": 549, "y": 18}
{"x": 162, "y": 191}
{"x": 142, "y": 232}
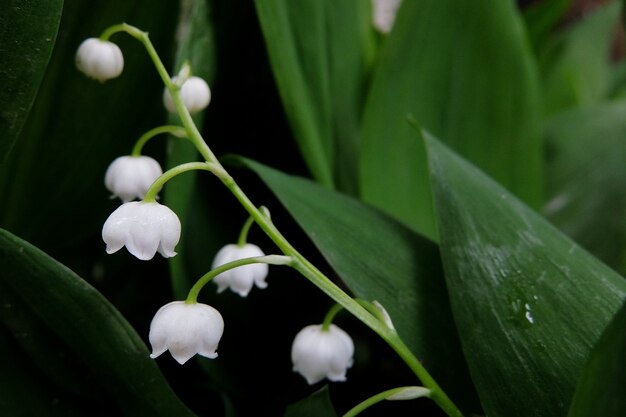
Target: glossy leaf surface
{"x": 529, "y": 302}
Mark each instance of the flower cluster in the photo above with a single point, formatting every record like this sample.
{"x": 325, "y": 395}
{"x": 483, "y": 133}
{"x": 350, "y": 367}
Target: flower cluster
{"x": 145, "y": 227}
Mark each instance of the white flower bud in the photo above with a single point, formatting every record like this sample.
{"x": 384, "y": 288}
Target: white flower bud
{"x": 144, "y": 228}
{"x": 318, "y": 353}
{"x": 186, "y": 329}
{"x": 98, "y": 59}
{"x": 195, "y": 93}
{"x": 242, "y": 278}
{"x": 130, "y": 177}
{"x": 384, "y": 14}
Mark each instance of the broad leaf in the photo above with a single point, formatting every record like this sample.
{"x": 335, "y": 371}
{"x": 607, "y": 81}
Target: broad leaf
{"x": 541, "y": 17}
{"x": 576, "y": 65}
{"x": 319, "y": 52}
{"x": 29, "y": 30}
{"x": 380, "y": 259}
{"x": 600, "y": 391}
{"x": 463, "y": 70}
{"x": 529, "y": 303}
{"x": 586, "y": 177}
{"x": 95, "y": 331}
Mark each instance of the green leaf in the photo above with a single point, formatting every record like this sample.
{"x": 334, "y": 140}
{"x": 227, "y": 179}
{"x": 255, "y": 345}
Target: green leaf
{"x": 576, "y": 67}
{"x": 463, "y": 70}
{"x": 541, "y": 17}
{"x": 600, "y": 391}
{"x": 528, "y": 302}
{"x": 320, "y": 52}
{"x": 380, "y": 259}
{"x": 94, "y": 330}
{"x": 317, "y": 404}
{"x": 29, "y": 30}
{"x": 586, "y": 177}
{"x": 23, "y": 391}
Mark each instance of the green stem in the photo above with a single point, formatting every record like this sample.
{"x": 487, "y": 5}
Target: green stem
{"x": 243, "y": 235}
{"x": 328, "y": 319}
{"x": 378, "y": 398}
{"x": 269, "y": 259}
{"x": 171, "y": 173}
{"x": 174, "y": 130}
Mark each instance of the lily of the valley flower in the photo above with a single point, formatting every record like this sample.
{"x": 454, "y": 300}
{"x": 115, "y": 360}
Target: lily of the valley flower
{"x": 98, "y": 59}
{"x": 242, "y": 278}
{"x": 186, "y": 329}
{"x": 195, "y": 93}
{"x": 384, "y": 14}
{"x": 317, "y": 353}
{"x": 144, "y": 228}
{"x": 129, "y": 177}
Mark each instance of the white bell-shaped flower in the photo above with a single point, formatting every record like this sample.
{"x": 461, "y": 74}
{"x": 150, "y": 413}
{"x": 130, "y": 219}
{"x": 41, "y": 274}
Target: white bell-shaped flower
{"x": 384, "y": 14}
{"x": 98, "y": 59}
{"x": 242, "y": 278}
{"x": 317, "y": 354}
{"x": 144, "y": 228}
{"x": 186, "y": 329}
{"x": 195, "y": 93}
{"x": 129, "y": 177}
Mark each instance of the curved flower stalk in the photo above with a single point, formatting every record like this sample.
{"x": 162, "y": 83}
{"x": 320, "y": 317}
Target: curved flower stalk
{"x": 240, "y": 280}
{"x": 129, "y": 177}
{"x": 186, "y": 329}
{"x": 144, "y": 228}
{"x": 319, "y": 353}
{"x": 99, "y": 59}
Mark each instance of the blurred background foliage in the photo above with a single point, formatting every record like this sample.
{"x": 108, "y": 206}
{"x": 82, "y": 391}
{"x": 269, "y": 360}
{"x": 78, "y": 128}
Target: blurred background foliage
{"x": 531, "y": 92}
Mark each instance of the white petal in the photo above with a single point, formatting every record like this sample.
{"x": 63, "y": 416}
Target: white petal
{"x": 99, "y": 59}
{"x": 130, "y": 177}
{"x": 224, "y": 255}
{"x": 317, "y": 354}
{"x": 186, "y": 329}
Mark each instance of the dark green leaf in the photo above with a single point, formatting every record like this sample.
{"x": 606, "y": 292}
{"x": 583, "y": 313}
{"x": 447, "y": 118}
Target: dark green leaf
{"x": 307, "y": 105}
{"x": 380, "y": 259}
{"x": 23, "y": 392}
{"x": 463, "y": 70}
{"x": 600, "y": 391}
{"x": 576, "y": 67}
{"x": 317, "y": 404}
{"x": 95, "y": 331}
{"x": 28, "y": 30}
{"x": 528, "y": 302}
{"x": 586, "y": 178}
{"x": 320, "y": 52}
{"x": 542, "y": 16}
